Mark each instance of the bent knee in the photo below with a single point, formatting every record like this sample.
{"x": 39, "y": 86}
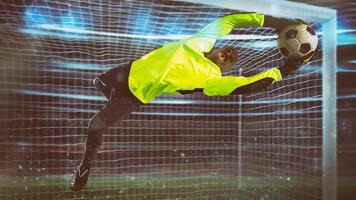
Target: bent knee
{"x": 96, "y": 124}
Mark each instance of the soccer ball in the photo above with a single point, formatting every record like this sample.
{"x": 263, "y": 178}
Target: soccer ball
{"x": 297, "y": 41}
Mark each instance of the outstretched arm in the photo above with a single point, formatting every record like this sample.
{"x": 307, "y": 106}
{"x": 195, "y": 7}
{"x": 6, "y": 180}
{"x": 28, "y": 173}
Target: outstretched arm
{"x": 224, "y": 25}
{"x": 205, "y": 39}
{"x": 287, "y": 68}
{"x": 225, "y": 85}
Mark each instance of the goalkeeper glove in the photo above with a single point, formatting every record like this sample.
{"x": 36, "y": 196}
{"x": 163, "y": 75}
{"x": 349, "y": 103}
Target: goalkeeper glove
{"x": 290, "y": 66}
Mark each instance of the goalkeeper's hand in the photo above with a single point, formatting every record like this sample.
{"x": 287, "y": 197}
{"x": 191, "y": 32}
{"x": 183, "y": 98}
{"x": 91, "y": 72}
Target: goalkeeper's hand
{"x": 291, "y": 65}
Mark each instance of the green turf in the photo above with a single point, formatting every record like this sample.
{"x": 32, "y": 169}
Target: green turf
{"x": 214, "y": 188}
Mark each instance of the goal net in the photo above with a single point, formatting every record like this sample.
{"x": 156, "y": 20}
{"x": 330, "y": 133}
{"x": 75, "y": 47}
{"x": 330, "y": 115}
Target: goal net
{"x": 274, "y": 144}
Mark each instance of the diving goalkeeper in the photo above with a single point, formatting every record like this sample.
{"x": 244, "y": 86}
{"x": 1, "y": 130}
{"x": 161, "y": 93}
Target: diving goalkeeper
{"x": 186, "y": 66}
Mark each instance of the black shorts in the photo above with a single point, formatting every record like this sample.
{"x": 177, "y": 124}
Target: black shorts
{"x": 118, "y": 79}
{"x": 121, "y": 102}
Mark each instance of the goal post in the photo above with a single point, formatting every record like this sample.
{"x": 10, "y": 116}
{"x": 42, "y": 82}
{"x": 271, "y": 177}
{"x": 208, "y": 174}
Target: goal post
{"x": 329, "y": 109}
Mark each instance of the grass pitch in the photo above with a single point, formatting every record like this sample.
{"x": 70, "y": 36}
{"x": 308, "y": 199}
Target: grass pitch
{"x": 133, "y": 188}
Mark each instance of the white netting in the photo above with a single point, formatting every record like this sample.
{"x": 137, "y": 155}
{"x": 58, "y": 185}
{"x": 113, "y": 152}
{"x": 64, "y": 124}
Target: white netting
{"x": 258, "y": 146}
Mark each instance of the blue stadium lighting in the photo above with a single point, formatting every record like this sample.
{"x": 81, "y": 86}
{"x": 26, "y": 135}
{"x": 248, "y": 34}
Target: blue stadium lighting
{"x": 100, "y": 34}
{"x": 61, "y": 95}
{"x": 80, "y": 66}
{"x": 177, "y": 101}
{"x": 346, "y": 35}
{"x": 142, "y": 20}
{"x": 347, "y": 97}
{"x": 41, "y": 21}
{"x": 171, "y": 27}
{"x": 316, "y": 69}
{"x": 346, "y": 38}
{"x": 70, "y": 109}
{"x": 71, "y": 20}
{"x": 34, "y": 16}
{"x": 46, "y": 33}
{"x": 38, "y": 19}
{"x": 345, "y": 70}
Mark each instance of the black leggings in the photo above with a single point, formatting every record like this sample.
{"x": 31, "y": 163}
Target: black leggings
{"x": 118, "y": 107}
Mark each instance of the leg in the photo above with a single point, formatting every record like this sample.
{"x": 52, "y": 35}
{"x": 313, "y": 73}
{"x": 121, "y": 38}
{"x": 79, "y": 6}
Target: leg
{"x": 95, "y": 130}
{"x": 109, "y": 77}
{"x": 97, "y": 127}
{"x": 108, "y": 80}
{"x": 116, "y": 109}
{"x": 99, "y": 85}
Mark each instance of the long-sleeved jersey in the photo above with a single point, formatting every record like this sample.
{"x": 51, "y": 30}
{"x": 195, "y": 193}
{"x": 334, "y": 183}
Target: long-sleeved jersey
{"x": 182, "y": 65}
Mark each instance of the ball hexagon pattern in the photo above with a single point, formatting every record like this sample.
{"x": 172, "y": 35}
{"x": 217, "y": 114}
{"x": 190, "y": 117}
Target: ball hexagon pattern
{"x": 297, "y": 41}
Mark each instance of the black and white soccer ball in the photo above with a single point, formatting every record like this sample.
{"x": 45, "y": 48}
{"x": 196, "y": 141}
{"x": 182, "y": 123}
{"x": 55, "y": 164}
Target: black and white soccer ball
{"x": 297, "y": 41}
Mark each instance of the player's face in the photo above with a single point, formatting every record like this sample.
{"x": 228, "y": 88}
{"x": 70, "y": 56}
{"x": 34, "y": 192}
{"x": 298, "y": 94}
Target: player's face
{"x": 224, "y": 57}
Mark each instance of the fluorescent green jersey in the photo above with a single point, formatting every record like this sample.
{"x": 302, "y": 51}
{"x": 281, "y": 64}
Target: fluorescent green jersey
{"x": 182, "y": 65}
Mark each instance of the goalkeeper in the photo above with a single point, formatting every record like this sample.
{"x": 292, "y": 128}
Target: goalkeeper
{"x": 186, "y": 66}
